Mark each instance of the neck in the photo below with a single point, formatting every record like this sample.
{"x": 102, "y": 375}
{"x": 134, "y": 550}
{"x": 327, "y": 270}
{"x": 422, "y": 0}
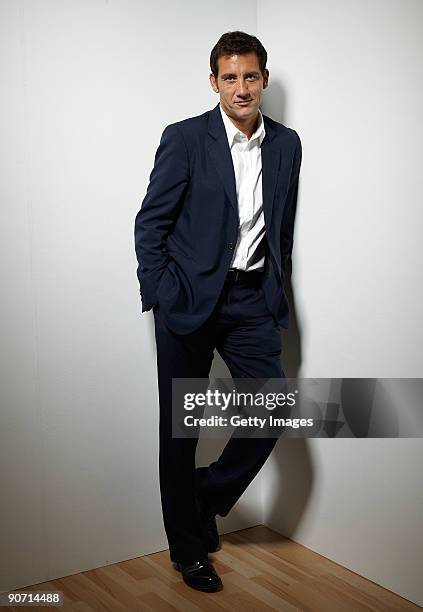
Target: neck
{"x": 247, "y": 127}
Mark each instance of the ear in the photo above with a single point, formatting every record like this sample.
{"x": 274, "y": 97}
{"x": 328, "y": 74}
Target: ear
{"x": 213, "y": 82}
{"x": 265, "y": 78}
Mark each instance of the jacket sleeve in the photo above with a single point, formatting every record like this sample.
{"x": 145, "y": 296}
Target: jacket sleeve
{"x": 159, "y": 210}
{"x": 287, "y": 226}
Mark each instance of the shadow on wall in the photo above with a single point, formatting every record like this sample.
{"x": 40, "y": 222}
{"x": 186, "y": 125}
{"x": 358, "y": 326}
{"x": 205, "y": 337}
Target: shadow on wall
{"x": 292, "y": 484}
{"x": 293, "y": 481}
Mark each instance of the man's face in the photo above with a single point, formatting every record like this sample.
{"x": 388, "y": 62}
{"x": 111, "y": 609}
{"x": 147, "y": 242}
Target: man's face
{"x": 239, "y": 83}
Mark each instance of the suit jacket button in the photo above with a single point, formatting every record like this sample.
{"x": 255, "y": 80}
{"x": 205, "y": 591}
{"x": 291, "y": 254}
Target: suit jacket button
{"x": 231, "y": 246}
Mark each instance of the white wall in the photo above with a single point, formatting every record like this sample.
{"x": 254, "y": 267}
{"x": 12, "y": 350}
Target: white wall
{"x": 87, "y": 88}
{"x": 347, "y": 76}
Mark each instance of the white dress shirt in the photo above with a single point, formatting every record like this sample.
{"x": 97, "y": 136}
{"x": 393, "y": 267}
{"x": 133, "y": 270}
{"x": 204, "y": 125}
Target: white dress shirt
{"x": 246, "y": 157}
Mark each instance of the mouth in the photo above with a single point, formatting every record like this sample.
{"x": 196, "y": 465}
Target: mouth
{"x": 243, "y": 102}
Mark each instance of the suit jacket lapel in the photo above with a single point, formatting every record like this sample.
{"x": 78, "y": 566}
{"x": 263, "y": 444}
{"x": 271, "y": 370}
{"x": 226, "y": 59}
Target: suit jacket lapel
{"x": 270, "y": 164}
{"x": 220, "y": 153}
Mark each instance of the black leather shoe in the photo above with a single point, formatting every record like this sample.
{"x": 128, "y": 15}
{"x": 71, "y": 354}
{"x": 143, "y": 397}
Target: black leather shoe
{"x": 200, "y": 575}
{"x": 213, "y": 538}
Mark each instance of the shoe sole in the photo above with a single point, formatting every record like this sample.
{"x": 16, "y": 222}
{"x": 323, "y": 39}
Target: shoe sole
{"x": 212, "y": 589}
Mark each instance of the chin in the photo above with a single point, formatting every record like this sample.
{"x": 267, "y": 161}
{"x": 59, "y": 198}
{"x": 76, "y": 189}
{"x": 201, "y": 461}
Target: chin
{"x": 244, "y": 110}
{"x": 248, "y": 112}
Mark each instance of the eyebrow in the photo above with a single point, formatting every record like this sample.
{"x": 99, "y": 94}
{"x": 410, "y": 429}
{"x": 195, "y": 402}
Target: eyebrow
{"x": 247, "y": 74}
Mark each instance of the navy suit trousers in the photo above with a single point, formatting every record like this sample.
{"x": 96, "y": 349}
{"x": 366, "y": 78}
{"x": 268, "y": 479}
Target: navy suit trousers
{"x": 246, "y": 335}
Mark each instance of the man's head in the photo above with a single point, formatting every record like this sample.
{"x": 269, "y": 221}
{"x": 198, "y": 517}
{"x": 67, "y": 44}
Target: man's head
{"x": 239, "y": 75}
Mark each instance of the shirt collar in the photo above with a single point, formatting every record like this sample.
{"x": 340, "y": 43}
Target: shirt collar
{"x": 232, "y": 131}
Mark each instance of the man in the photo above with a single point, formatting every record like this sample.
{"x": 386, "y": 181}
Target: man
{"x": 212, "y": 238}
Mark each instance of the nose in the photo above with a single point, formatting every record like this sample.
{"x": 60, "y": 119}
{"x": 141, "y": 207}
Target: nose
{"x": 242, "y": 89}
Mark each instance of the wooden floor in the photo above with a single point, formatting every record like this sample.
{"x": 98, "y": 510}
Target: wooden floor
{"x": 260, "y": 570}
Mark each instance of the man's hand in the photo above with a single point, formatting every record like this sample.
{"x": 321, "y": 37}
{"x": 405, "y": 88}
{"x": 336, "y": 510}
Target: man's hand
{"x": 159, "y": 211}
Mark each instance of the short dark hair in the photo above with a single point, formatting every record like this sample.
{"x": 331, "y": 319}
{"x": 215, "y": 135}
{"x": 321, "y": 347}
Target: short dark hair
{"x": 237, "y": 43}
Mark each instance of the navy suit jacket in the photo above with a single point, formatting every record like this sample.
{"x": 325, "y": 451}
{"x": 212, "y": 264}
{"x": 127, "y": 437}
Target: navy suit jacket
{"x": 187, "y": 227}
